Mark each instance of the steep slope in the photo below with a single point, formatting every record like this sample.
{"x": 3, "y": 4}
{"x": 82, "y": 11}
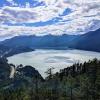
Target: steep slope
{"x": 89, "y": 41}
{"x": 22, "y": 74}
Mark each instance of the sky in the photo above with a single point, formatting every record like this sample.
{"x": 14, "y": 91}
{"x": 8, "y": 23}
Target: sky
{"x": 42, "y": 17}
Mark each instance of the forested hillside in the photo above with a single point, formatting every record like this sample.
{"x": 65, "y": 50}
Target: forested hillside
{"x": 76, "y": 82}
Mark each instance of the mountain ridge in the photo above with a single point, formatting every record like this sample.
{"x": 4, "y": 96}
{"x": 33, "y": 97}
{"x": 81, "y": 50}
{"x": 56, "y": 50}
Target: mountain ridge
{"x": 89, "y": 41}
{"x": 20, "y": 44}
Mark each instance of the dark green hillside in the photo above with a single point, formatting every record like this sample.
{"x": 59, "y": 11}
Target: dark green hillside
{"x": 77, "y": 82}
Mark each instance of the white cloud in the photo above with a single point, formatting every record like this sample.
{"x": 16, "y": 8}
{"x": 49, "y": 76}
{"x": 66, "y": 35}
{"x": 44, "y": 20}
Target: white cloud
{"x": 9, "y": 0}
{"x": 85, "y": 13}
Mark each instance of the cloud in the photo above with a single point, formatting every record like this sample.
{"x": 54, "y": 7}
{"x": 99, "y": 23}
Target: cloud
{"x": 52, "y": 17}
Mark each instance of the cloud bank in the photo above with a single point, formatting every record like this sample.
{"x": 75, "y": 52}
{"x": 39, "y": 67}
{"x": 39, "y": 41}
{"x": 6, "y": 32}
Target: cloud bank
{"x": 41, "y": 17}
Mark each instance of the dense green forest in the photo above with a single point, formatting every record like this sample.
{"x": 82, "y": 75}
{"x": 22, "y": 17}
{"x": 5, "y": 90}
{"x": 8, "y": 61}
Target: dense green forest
{"x": 81, "y": 81}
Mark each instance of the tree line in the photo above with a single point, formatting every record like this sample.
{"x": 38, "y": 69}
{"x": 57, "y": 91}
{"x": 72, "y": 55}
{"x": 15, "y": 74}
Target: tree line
{"x": 81, "y": 81}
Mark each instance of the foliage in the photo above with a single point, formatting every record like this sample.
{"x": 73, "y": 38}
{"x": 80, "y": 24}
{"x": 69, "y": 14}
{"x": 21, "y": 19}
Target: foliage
{"x": 80, "y": 81}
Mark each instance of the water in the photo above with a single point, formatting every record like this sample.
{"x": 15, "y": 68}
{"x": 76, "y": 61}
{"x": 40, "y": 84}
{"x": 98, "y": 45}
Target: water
{"x": 59, "y": 59}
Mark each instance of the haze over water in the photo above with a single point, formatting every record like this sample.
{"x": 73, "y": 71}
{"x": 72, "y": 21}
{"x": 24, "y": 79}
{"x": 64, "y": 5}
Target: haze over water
{"x": 59, "y": 59}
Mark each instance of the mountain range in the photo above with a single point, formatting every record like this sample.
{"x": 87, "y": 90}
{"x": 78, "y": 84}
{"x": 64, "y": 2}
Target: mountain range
{"x": 19, "y": 44}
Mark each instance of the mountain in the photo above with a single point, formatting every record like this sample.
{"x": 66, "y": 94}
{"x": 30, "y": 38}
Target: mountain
{"x": 19, "y": 44}
{"x": 9, "y": 51}
{"x": 47, "y": 41}
{"x": 15, "y": 76}
{"x": 89, "y": 41}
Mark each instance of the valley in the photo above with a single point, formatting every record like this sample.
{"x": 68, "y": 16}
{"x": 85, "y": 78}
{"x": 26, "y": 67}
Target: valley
{"x": 43, "y": 59}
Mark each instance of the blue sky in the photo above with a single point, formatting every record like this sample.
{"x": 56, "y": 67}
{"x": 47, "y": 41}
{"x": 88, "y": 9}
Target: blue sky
{"x": 33, "y": 3}
{"x": 57, "y": 17}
